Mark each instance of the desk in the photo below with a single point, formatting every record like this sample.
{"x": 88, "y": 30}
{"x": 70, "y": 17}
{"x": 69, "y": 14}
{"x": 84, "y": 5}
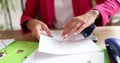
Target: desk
{"x": 101, "y": 32}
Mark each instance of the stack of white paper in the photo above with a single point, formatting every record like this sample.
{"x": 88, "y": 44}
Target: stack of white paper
{"x": 74, "y": 44}
{"x": 38, "y": 57}
{"x": 75, "y": 49}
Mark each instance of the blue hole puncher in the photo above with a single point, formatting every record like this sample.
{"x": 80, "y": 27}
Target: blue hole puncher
{"x": 88, "y": 31}
{"x": 113, "y": 48}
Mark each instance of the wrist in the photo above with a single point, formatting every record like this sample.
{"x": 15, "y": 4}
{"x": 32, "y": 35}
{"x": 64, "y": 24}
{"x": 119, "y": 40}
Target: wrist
{"x": 31, "y": 24}
{"x": 94, "y": 13}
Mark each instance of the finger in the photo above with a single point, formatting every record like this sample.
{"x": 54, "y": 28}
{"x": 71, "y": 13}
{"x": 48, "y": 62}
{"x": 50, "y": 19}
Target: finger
{"x": 70, "y": 23}
{"x": 74, "y": 28}
{"x": 80, "y": 29}
{"x": 68, "y": 26}
{"x": 36, "y": 33}
{"x": 47, "y": 30}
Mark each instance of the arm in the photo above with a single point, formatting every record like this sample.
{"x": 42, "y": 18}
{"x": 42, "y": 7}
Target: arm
{"x": 28, "y": 21}
{"x": 29, "y": 13}
{"x": 79, "y": 23}
{"x": 107, "y": 9}
{"x": 99, "y": 15}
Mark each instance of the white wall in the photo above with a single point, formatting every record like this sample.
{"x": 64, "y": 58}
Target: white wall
{"x": 15, "y": 16}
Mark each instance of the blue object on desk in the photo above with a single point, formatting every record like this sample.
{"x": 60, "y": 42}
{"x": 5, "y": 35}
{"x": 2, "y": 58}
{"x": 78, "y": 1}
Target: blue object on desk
{"x": 88, "y": 31}
{"x": 113, "y": 48}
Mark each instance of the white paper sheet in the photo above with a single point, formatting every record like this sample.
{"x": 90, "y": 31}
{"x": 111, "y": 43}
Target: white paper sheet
{"x": 72, "y": 45}
{"x": 6, "y": 42}
{"x": 38, "y": 57}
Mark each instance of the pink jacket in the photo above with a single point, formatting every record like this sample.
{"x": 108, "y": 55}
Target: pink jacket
{"x": 107, "y": 9}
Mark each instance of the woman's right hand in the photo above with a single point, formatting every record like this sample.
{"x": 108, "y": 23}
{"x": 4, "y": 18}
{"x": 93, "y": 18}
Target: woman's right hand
{"x": 35, "y": 26}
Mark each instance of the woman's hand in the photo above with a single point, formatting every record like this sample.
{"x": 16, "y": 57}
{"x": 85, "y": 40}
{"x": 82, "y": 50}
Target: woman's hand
{"x": 79, "y": 23}
{"x": 35, "y": 26}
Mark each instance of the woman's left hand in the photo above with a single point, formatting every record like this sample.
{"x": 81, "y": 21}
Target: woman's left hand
{"x": 79, "y": 23}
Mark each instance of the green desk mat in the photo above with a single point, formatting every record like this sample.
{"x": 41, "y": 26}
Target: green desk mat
{"x": 28, "y": 47}
{"x": 106, "y": 57}
{"x": 13, "y": 56}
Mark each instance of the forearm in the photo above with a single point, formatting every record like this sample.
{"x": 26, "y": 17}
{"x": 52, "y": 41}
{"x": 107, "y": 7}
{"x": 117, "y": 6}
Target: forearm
{"x": 94, "y": 13}
{"x": 30, "y": 12}
{"x": 107, "y": 10}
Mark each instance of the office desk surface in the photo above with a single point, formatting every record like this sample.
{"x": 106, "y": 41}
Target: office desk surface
{"x": 101, "y": 32}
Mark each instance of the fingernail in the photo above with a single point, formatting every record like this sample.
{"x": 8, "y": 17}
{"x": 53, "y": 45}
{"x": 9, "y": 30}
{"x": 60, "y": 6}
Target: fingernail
{"x": 50, "y": 35}
{"x": 66, "y": 35}
{"x": 75, "y": 33}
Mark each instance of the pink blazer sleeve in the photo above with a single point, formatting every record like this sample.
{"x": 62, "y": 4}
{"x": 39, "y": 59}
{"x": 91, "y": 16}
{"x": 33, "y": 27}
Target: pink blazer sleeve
{"x": 107, "y": 9}
{"x": 30, "y": 12}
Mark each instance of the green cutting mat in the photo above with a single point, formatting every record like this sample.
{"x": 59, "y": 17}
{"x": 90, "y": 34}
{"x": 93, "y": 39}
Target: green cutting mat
{"x": 13, "y": 56}
{"x": 28, "y": 47}
{"x": 106, "y": 57}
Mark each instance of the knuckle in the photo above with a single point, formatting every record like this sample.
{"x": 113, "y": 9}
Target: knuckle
{"x": 84, "y": 21}
{"x": 76, "y": 26}
{"x": 44, "y": 24}
{"x": 83, "y": 26}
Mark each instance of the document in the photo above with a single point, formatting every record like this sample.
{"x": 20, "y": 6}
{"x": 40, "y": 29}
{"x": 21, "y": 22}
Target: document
{"x": 38, "y": 57}
{"x": 5, "y": 42}
{"x": 75, "y": 49}
{"x": 74, "y": 44}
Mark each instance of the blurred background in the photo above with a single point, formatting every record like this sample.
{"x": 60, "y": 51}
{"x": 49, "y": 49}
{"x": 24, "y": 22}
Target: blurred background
{"x": 11, "y": 11}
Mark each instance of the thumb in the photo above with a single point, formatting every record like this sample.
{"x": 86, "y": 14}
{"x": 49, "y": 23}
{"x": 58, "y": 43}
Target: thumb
{"x": 47, "y": 30}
